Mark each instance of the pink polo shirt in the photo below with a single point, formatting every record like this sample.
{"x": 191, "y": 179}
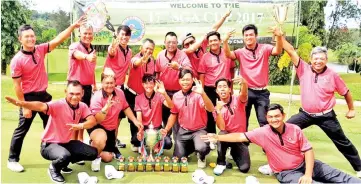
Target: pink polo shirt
{"x": 30, "y": 67}
{"x": 137, "y": 72}
{"x": 168, "y": 75}
{"x": 317, "y": 90}
{"x": 98, "y": 101}
{"x": 81, "y": 70}
{"x": 284, "y": 151}
{"x": 253, "y": 64}
{"x": 215, "y": 67}
{"x": 191, "y": 111}
{"x": 119, "y": 63}
{"x": 61, "y": 113}
{"x": 234, "y": 115}
{"x": 151, "y": 108}
{"x": 195, "y": 57}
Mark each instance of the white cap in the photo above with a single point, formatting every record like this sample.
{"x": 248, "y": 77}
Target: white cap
{"x": 112, "y": 173}
{"x": 200, "y": 177}
{"x": 251, "y": 180}
{"x": 184, "y": 37}
{"x": 84, "y": 178}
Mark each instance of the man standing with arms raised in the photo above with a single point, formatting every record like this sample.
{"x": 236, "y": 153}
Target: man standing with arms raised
{"x": 30, "y": 83}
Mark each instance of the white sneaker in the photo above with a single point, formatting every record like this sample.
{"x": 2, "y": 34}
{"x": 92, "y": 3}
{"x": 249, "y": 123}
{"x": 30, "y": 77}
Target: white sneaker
{"x": 134, "y": 148}
{"x": 358, "y": 174}
{"x": 96, "y": 164}
{"x": 212, "y": 145}
{"x": 202, "y": 163}
{"x": 15, "y": 166}
{"x": 266, "y": 170}
{"x": 219, "y": 169}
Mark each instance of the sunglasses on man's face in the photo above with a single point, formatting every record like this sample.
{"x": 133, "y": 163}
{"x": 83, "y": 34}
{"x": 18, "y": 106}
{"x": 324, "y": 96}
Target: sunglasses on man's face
{"x": 188, "y": 43}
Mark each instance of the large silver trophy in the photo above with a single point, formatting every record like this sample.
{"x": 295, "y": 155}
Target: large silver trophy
{"x": 280, "y": 15}
{"x": 152, "y": 137}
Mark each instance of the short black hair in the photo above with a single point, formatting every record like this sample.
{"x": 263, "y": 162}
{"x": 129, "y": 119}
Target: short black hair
{"x": 148, "y": 78}
{"x": 250, "y": 27}
{"x": 24, "y": 27}
{"x": 212, "y": 33}
{"x": 171, "y": 34}
{"x": 274, "y": 106}
{"x": 223, "y": 79}
{"x": 126, "y": 29}
{"x": 74, "y": 83}
{"x": 148, "y": 40}
{"x": 183, "y": 72}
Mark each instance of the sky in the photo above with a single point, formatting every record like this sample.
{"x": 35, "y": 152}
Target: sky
{"x": 45, "y": 6}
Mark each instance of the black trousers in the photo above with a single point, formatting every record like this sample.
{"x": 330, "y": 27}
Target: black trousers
{"x": 64, "y": 153}
{"x": 166, "y": 114}
{"x": 321, "y": 173}
{"x": 110, "y": 145}
{"x": 212, "y": 95}
{"x": 330, "y": 125}
{"x": 88, "y": 90}
{"x": 259, "y": 99}
{"x": 239, "y": 152}
{"x": 25, "y": 123}
{"x": 189, "y": 141}
{"x": 130, "y": 97}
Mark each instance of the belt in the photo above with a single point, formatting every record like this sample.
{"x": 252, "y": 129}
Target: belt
{"x": 259, "y": 89}
{"x": 318, "y": 113}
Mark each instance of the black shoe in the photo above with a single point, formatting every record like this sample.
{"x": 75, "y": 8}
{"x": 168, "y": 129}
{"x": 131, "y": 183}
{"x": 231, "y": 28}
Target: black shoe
{"x": 81, "y": 162}
{"x": 55, "y": 176}
{"x": 120, "y": 145}
{"x": 66, "y": 170}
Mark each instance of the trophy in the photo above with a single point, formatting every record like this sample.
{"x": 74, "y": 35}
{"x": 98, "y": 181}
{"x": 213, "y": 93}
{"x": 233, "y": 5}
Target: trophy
{"x": 149, "y": 164}
{"x": 166, "y": 164}
{"x": 152, "y": 138}
{"x": 131, "y": 166}
{"x": 157, "y": 165}
{"x": 280, "y": 15}
{"x": 140, "y": 164}
{"x": 184, "y": 165}
{"x": 175, "y": 164}
{"x": 121, "y": 164}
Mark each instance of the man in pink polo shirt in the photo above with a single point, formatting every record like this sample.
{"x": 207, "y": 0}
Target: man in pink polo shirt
{"x": 148, "y": 106}
{"x": 190, "y": 106}
{"x": 214, "y": 65}
{"x": 195, "y": 49}
{"x": 82, "y": 62}
{"x": 253, "y": 65}
{"x": 167, "y": 67}
{"x": 118, "y": 59}
{"x": 318, "y": 85}
{"x": 106, "y": 104}
{"x": 64, "y": 118}
{"x": 142, "y": 63}
{"x": 230, "y": 116}
{"x": 30, "y": 83}
{"x": 288, "y": 151}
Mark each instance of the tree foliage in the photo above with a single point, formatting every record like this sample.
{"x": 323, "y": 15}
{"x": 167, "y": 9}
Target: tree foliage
{"x": 13, "y": 14}
{"x": 347, "y": 53}
{"x": 312, "y": 16}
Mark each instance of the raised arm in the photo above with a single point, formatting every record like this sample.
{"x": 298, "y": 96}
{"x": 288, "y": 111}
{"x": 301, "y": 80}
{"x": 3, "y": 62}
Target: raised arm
{"x": 291, "y": 51}
{"x": 33, "y": 105}
{"x": 142, "y": 60}
{"x": 66, "y": 33}
{"x": 199, "y": 89}
{"x": 226, "y": 49}
{"x": 278, "y": 34}
{"x": 219, "y": 119}
{"x": 192, "y": 48}
{"x": 243, "y": 92}
{"x": 159, "y": 87}
{"x": 218, "y": 24}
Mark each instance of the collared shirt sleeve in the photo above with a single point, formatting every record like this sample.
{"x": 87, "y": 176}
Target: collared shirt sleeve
{"x": 257, "y": 136}
{"x": 303, "y": 142}
{"x": 340, "y": 85}
{"x": 16, "y": 68}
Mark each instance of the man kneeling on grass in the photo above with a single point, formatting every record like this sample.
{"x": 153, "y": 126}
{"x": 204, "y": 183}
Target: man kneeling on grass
{"x": 64, "y": 117}
{"x": 288, "y": 151}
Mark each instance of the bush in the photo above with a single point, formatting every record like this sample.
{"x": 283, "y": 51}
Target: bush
{"x": 278, "y": 76}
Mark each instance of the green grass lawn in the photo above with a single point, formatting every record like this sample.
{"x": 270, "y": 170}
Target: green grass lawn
{"x": 36, "y": 166}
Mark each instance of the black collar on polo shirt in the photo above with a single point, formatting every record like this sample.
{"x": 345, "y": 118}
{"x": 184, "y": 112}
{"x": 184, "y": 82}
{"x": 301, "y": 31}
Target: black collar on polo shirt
{"x": 316, "y": 76}
{"x": 217, "y": 55}
{"x": 228, "y": 105}
{"x": 105, "y": 95}
{"x": 186, "y": 94}
{"x": 72, "y": 106}
{"x": 150, "y": 99}
{"x": 86, "y": 48}
{"x": 276, "y": 132}
{"x": 253, "y": 50}
{"x": 29, "y": 53}
{"x": 125, "y": 53}
{"x": 170, "y": 59}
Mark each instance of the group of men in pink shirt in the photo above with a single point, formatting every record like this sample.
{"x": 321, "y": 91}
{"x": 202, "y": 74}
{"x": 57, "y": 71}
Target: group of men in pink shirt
{"x": 185, "y": 92}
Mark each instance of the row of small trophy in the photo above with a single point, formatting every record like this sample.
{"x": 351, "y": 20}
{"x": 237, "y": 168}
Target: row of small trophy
{"x": 150, "y": 165}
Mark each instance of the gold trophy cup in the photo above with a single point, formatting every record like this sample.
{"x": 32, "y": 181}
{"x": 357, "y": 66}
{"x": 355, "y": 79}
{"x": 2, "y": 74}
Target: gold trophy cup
{"x": 280, "y": 15}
